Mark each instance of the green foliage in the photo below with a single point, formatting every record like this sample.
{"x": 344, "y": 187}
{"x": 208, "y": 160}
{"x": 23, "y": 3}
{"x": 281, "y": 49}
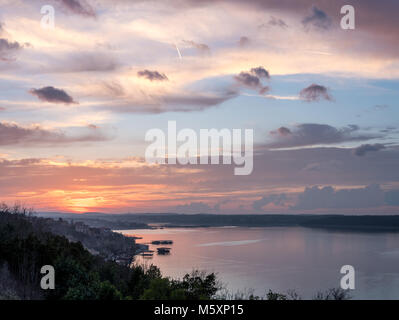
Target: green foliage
{"x": 106, "y": 291}
{"x": 160, "y": 289}
{"x": 198, "y": 285}
{"x": 163, "y": 289}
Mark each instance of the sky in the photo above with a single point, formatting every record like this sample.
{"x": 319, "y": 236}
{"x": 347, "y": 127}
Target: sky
{"x": 78, "y": 98}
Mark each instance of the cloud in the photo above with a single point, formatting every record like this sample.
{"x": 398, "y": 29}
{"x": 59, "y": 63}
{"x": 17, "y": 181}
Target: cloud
{"x": 152, "y": 75}
{"x": 261, "y": 72}
{"x": 390, "y": 130}
{"x": 86, "y": 62}
{"x": 252, "y": 79}
{"x": 244, "y": 41}
{"x": 113, "y": 88}
{"x": 116, "y": 179}
{"x": 7, "y": 49}
{"x": 13, "y": 134}
{"x": 282, "y": 131}
{"x": 191, "y": 101}
{"x": 330, "y": 198}
{"x": 51, "y": 94}
{"x": 201, "y": 47}
{"x": 80, "y": 7}
{"x": 364, "y": 148}
{"x": 315, "y": 92}
{"x": 377, "y": 19}
{"x": 318, "y": 18}
{"x": 309, "y": 134}
{"x": 277, "y": 22}
{"x": 248, "y": 79}
{"x": 180, "y": 101}
{"x": 5, "y": 45}
{"x": 276, "y": 199}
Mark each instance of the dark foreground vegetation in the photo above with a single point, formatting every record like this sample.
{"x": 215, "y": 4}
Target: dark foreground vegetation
{"x": 27, "y": 243}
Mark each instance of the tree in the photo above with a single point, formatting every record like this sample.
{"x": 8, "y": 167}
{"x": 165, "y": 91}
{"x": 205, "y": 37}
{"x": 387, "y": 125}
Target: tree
{"x": 106, "y": 291}
{"x": 163, "y": 289}
{"x": 198, "y": 285}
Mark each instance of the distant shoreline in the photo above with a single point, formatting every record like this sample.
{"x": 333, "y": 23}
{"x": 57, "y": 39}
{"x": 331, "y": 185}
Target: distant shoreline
{"x": 365, "y": 223}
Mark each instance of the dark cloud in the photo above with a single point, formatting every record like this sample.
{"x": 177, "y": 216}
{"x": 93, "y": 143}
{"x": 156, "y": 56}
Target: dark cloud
{"x": 92, "y": 126}
{"x": 8, "y": 49}
{"x": 283, "y": 168}
{"x": 114, "y": 88}
{"x": 315, "y": 92}
{"x": 248, "y": 79}
{"x": 13, "y": 134}
{"x": 318, "y": 18}
{"x": 152, "y": 75}
{"x": 195, "y": 101}
{"x": 264, "y": 90}
{"x": 80, "y": 7}
{"x": 330, "y": 198}
{"x": 201, "y": 47}
{"x": 317, "y": 167}
{"x": 364, "y": 148}
{"x": 261, "y": 72}
{"x": 51, "y": 94}
{"x": 390, "y": 130}
{"x": 296, "y": 168}
{"x": 244, "y": 41}
{"x": 309, "y": 134}
{"x": 282, "y": 131}
{"x": 89, "y": 61}
{"x": 276, "y": 199}
{"x": 80, "y": 61}
{"x": 252, "y": 79}
{"x": 277, "y": 22}
{"x": 185, "y": 102}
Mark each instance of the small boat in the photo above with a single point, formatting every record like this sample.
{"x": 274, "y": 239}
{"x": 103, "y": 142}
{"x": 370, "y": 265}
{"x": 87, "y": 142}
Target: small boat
{"x": 158, "y": 242}
{"x": 163, "y": 250}
{"x": 145, "y": 254}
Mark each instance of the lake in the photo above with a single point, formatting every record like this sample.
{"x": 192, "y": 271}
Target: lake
{"x": 281, "y": 258}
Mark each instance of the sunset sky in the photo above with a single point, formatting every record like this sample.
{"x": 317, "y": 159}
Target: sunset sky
{"x": 77, "y": 99}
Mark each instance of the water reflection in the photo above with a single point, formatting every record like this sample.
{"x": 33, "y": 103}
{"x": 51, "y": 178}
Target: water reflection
{"x": 306, "y": 260}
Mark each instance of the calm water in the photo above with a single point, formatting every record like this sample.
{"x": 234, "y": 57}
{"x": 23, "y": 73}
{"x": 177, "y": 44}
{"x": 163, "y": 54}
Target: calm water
{"x": 306, "y": 260}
